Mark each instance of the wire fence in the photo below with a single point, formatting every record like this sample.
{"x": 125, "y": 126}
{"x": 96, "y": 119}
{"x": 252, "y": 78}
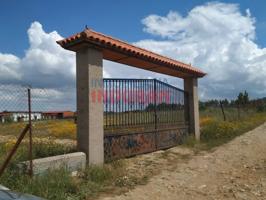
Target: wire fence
{"x": 52, "y": 111}
{"x": 129, "y": 104}
{"x": 231, "y": 111}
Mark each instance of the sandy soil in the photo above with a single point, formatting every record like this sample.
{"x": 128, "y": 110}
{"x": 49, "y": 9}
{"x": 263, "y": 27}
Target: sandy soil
{"x": 236, "y": 170}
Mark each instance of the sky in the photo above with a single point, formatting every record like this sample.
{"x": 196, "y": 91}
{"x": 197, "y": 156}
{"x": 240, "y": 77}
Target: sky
{"x": 226, "y": 39}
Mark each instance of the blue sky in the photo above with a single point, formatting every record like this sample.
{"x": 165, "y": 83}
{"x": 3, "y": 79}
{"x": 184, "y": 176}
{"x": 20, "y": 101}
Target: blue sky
{"x": 226, "y": 39}
{"x": 119, "y": 18}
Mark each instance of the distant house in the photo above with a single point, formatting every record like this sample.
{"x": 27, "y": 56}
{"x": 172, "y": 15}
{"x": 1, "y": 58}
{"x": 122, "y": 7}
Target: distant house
{"x": 58, "y": 115}
{"x": 18, "y": 116}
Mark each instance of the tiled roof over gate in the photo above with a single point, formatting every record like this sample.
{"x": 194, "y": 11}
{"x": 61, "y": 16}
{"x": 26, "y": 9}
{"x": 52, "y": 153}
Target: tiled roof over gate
{"x": 125, "y": 53}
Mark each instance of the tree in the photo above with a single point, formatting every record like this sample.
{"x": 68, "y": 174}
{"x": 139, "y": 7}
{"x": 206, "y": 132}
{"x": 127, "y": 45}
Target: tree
{"x": 240, "y": 98}
{"x": 245, "y": 98}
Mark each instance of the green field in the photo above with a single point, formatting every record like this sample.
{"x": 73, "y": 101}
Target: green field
{"x": 59, "y": 185}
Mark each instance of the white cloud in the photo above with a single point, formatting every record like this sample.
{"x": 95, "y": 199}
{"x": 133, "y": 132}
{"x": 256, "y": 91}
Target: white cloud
{"x": 45, "y": 63}
{"x": 218, "y": 38}
{"x": 9, "y": 65}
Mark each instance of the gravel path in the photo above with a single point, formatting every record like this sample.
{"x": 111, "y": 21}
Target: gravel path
{"x": 236, "y": 170}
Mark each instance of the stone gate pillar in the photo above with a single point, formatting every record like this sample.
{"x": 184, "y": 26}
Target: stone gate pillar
{"x": 89, "y": 62}
{"x": 191, "y": 87}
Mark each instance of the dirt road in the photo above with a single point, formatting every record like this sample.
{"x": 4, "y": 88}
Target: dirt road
{"x": 236, "y": 170}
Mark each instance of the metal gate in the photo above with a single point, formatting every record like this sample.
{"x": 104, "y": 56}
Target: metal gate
{"x": 142, "y": 115}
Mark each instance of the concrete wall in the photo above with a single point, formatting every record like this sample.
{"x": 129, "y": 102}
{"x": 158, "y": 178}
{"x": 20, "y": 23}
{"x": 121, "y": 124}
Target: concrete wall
{"x": 72, "y": 162}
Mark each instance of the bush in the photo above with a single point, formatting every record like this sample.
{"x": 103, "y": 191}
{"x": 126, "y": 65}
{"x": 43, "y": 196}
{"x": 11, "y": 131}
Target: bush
{"x": 41, "y": 148}
{"x": 216, "y": 132}
{"x": 60, "y": 185}
{"x": 261, "y": 108}
{"x": 56, "y": 185}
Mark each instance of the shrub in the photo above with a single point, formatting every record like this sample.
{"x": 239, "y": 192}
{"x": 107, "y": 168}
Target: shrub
{"x": 41, "y": 148}
{"x": 261, "y": 108}
{"x": 216, "y": 132}
{"x": 56, "y": 185}
{"x": 205, "y": 121}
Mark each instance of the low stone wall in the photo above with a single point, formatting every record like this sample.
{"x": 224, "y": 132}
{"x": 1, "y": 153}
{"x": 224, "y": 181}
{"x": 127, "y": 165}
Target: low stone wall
{"x": 72, "y": 162}
{"x": 126, "y": 145}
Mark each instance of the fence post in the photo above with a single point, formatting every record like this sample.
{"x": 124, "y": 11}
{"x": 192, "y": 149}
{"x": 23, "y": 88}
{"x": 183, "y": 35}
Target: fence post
{"x": 238, "y": 110}
{"x": 222, "y": 108}
{"x": 14, "y": 149}
{"x": 30, "y": 132}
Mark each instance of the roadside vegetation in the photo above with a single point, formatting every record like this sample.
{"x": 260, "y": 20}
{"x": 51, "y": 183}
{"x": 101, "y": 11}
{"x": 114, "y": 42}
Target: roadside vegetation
{"x": 221, "y": 121}
{"x": 219, "y": 124}
{"x": 60, "y": 184}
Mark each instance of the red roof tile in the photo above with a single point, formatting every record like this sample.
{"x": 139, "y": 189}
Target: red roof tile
{"x": 122, "y": 52}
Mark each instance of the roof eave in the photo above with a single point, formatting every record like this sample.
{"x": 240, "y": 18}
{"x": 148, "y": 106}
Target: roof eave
{"x": 82, "y": 39}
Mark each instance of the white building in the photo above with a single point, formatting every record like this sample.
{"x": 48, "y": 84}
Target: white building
{"x": 19, "y": 116}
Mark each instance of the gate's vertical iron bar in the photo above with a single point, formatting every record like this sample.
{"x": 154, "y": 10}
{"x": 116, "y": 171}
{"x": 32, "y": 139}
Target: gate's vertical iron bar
{"x": 141, "y": 119}
{"x": 131, "y": 106}
{"x": 143, "y": 100}
{"x": 135, "y": 101}
{"x": 106, "y": 106}
{"x": 151, "y": 102}
{"x": 155, "y": 112}
{"x": 115, "y": 102}
{"x": 160, "y": 109}
{"x": 118, "y": 101}
{"x": 113, "y": 98}
{"x": 147, "y": 102}
{"x": 128, "y": 103}
{"x": 138, "y": 102}
{"x": 162, "y": 106}
{"x": 168, "y": 111}
{"x": 105, "y": 101}
{"x": 122, "y": 99}
{"x": 109, "y": 103}
{"x": 30, "y": 133}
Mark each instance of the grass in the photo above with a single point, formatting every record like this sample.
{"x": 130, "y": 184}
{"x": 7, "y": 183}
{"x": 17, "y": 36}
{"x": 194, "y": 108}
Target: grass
{"x": 112, "y": 177}
{"x": 66, "y": 128}
{"x": 46, "y": 128}
{"x": 60, "y": 185}
{"x": 215, "y": 132}
{"x": 41, "y": 148}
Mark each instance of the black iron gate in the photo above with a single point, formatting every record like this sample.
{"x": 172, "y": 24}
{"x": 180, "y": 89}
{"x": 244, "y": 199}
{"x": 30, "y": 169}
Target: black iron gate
{"x": 142, "y": 115}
